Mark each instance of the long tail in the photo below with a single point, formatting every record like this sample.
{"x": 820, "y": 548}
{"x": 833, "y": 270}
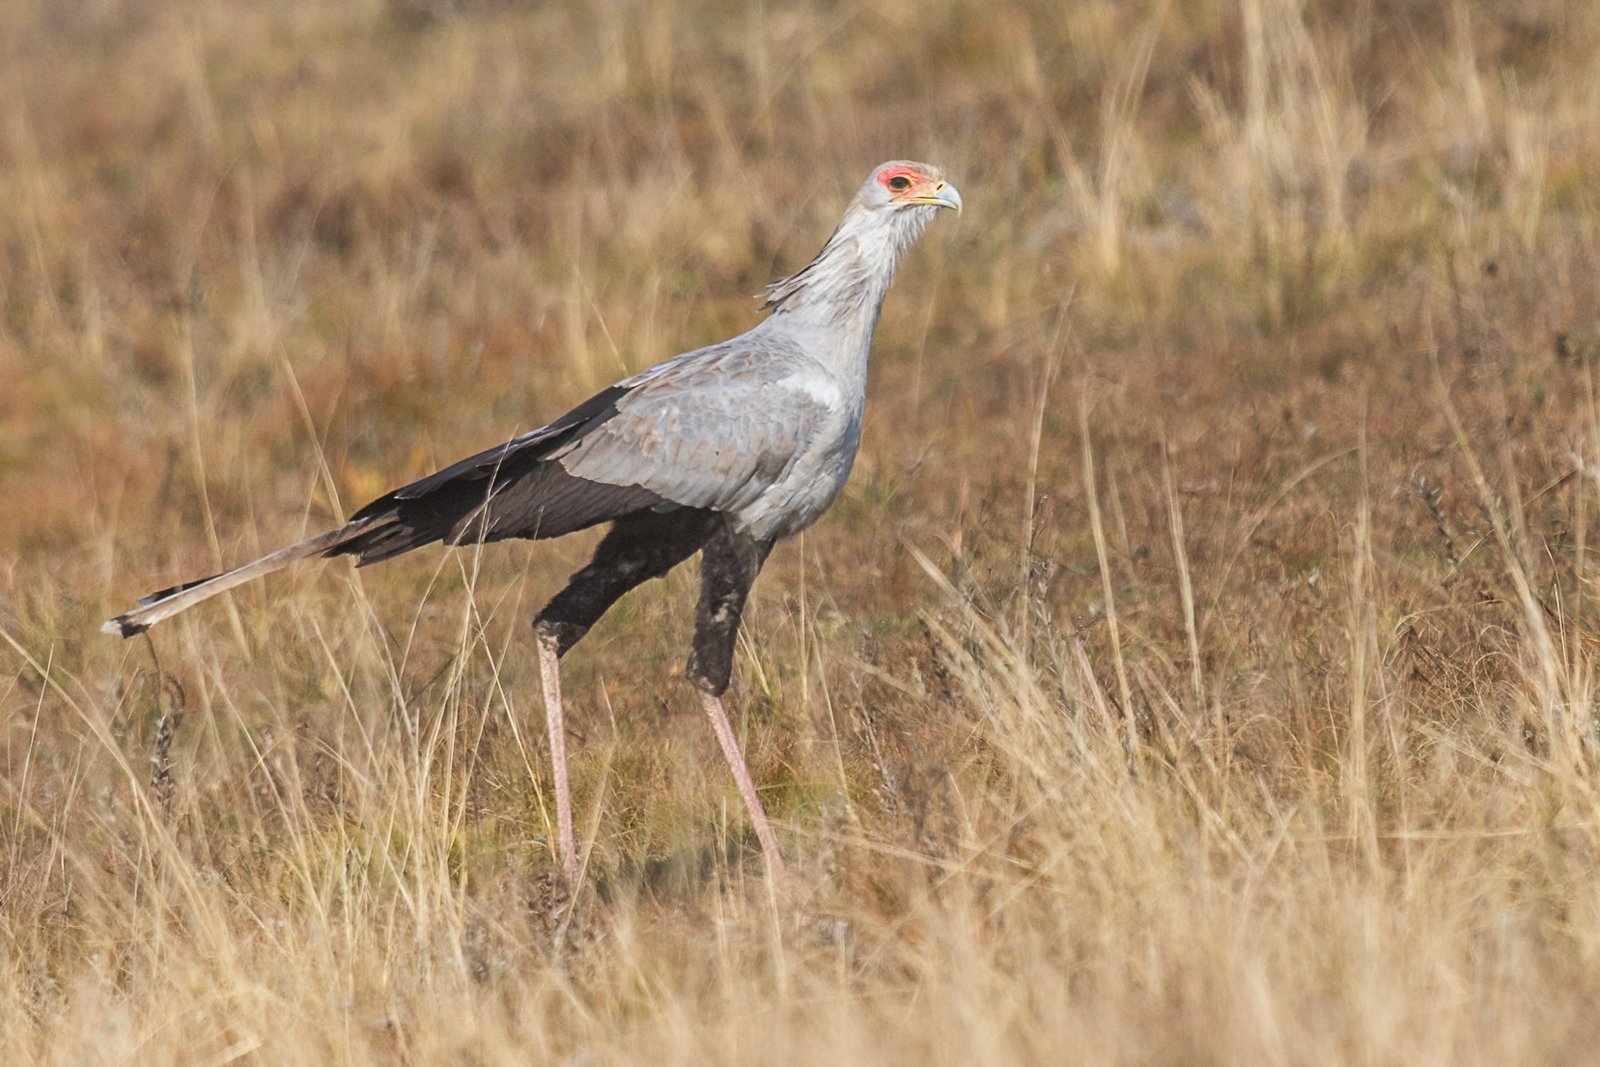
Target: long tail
{"x": 169, "y": 602}
{"x": 543, "y": 501}
{"x": 507, "y": 491}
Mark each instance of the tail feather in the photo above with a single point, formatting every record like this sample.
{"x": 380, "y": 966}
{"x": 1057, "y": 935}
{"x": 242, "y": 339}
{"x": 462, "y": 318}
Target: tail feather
{"x": 169, "y": 602}
{"x": 477, "y": 502}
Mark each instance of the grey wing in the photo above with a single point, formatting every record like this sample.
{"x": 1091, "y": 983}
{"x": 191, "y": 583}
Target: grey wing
{"x": 702, "y": 445}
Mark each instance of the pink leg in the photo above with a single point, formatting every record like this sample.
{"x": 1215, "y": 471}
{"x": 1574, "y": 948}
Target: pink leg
{"x": 550, "y": 675}
{"x": 741, "y": 774}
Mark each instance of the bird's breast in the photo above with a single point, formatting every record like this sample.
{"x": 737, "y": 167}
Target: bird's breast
{"x": 812, "y": 482}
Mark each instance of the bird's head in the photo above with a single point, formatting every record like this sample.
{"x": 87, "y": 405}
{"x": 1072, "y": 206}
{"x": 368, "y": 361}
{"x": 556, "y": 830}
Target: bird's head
{"x": 854, "y": 268}
{"x": 901, "y": 184}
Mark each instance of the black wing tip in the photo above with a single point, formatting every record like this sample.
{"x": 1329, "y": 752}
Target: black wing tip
{"x": 373, "y": 508}
{"x": 123, "y": 626}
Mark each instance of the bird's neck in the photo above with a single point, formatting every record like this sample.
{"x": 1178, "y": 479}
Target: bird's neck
{"x": 837, "y": 296}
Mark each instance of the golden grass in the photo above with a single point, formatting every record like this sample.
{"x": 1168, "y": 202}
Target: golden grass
{"x": 1201, "y": 667}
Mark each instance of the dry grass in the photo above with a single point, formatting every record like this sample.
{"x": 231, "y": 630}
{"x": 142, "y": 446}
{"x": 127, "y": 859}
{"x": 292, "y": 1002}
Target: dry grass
{"x": 1201, "y": 667}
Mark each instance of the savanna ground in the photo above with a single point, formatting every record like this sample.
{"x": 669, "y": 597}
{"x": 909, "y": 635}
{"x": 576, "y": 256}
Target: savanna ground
{"x": 1200, "y": 668}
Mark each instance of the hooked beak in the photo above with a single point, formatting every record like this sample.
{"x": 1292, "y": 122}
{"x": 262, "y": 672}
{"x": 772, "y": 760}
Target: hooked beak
{"x": 944, "y": 195}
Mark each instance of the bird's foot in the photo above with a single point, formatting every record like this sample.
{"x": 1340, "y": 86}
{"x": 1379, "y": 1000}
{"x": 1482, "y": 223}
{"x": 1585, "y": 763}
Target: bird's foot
{"x": 741, "y": 773}
{"x": 555, "y": 721}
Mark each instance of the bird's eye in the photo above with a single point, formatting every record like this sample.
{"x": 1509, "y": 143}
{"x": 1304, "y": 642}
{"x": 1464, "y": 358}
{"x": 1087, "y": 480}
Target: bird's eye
{"x": 899, "y": 183}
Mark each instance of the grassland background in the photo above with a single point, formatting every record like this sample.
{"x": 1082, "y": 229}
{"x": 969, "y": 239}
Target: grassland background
{"x": 1200, "y": 667}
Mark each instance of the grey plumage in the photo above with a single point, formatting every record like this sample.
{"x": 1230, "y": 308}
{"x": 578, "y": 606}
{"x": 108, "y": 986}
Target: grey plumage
{"x": 724, "y": 451}
{"x": 763, "y": 428}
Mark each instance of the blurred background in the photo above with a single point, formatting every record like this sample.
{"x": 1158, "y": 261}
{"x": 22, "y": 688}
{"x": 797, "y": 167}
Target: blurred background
{"x": 1199, "y": 666}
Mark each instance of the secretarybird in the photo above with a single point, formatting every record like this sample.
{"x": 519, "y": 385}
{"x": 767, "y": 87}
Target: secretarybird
{"x": 724, "y": 450}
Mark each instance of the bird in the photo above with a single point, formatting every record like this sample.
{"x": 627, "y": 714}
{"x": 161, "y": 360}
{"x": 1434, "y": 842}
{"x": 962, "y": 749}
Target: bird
{"x": 723, "y": 450}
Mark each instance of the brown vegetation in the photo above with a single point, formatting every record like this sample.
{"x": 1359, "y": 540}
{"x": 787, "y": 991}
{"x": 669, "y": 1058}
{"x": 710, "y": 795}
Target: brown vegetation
{"x": 1201, "y": 666}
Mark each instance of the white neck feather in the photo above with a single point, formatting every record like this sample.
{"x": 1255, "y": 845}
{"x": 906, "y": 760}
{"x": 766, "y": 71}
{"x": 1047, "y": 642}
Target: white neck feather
{"x": 847, "y": 281}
